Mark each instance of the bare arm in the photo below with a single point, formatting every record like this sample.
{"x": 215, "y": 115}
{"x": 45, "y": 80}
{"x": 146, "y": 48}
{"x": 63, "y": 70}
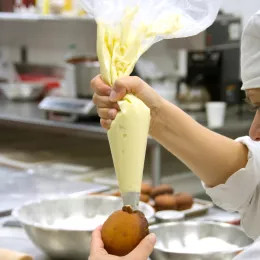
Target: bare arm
{"x": 211, "y": 156}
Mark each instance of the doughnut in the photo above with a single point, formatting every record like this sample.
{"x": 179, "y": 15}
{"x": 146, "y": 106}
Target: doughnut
{"x": 116, "y": 194}
{"x": 161, "y": 189}
{"x": 165, "y": 202}
{"x": 144, "y": 198}
{"x": 184, "y": 200}
{"x": 146, "y": 189}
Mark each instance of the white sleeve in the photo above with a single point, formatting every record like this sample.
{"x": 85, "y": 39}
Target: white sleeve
{"x": 241, "y": 192}
{"x": 252, "y": 253}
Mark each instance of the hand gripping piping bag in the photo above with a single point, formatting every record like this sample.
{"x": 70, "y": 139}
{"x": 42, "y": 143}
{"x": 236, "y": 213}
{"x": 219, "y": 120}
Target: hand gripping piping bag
{"x": 125, "y": 30}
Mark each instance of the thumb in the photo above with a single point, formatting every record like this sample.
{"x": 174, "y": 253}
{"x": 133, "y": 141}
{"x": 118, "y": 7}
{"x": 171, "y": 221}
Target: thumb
{"x": 126, "y": 85}
{"x": 144, "y": 249}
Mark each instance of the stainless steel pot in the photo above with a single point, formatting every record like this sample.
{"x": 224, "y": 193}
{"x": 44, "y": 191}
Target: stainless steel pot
{"x": 84, "y": 73}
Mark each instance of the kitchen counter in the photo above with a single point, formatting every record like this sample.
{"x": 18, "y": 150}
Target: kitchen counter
{"x": 27, "y": 113}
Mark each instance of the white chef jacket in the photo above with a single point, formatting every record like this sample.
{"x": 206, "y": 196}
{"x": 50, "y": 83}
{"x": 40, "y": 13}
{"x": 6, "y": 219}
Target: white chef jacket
{"x": 241, "y": 193}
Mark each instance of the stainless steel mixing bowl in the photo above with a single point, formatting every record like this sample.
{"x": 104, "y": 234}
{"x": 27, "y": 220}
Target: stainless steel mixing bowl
{"x": 37, "y": 219}
{"x": 172, "y": 235}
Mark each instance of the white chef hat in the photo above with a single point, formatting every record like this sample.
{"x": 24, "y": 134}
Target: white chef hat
{"x": 250, "y": 53}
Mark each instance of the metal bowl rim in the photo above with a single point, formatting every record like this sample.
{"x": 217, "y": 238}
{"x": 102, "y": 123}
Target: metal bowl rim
{"x": 15, "y": 212}
{"x": 25, "y": 222}
{"x": 193, "y": 223}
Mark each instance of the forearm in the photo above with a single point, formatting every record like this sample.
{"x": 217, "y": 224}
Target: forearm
{"x": 212, "y": 157}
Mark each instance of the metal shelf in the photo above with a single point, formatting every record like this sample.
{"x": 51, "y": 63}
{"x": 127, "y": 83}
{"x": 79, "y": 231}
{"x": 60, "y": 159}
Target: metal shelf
{"x": 39, "y": 17}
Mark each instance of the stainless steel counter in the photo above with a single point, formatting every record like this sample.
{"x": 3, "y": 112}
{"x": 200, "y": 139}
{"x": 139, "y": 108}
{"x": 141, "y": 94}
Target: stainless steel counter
{"x": 19, "y": 114}
{"x": 27, "y": 115}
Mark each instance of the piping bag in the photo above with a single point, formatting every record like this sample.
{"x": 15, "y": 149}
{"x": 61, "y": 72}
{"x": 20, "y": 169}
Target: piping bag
{"x": 125, "y": 30}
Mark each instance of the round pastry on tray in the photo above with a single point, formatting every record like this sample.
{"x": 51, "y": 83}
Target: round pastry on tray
{"x": 184, "y": 201}
{"x": 161, "y": 189}
{"x": 146, "y": 189}
{"x": 116, "y": 194}
{"x": 165, "y": 202}
{"x": 144, "y": 198}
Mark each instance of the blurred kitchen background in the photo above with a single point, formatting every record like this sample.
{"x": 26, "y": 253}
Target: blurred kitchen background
{"x": 48, "y": 124}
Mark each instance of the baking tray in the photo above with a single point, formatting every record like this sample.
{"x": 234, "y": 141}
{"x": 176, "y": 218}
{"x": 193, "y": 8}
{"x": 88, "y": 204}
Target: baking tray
{"x": 19, "y": 187}
{"x": 199, "y": 207}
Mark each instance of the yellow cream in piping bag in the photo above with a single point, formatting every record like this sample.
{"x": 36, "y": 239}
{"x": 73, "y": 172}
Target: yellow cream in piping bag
{"x": 119, "y": 48}
{"x": 128, "y": 137}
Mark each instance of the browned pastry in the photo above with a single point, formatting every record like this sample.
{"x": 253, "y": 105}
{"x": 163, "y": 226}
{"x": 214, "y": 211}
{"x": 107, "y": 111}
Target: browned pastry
{"x": 146, "y": 189}
{"x": 144, "y": 198}
{"x": 165, "y": 202}
{"x": 162, "y": 189}
{"x": 184, "y": 200}
{"x": 123, "y": 231}
{"x": 116, "y": 194}
{"x": 12, "y": 255}
{"x": 98, "y": 194}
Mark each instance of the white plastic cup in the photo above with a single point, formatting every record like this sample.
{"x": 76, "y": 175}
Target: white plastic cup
{"x": 216, "y": 112}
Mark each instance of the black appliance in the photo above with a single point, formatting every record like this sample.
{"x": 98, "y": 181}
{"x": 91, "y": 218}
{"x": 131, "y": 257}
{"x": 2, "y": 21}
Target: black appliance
{"x": 218, "y": 64}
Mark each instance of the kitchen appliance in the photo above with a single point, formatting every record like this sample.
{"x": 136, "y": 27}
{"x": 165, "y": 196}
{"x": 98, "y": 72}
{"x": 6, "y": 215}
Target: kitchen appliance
{"x": 69, "y": 242}
{"x": 77, "y": 103}
{"x": 192, "y": 96}
{"x": 79, "y": 71}
{"x": 67, "y": 109}
{"x": 85, "y": 72}
{"x": 218, "y": 63}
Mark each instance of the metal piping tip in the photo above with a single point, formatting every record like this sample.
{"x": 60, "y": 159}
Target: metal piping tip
{"x": 131, "y": 199}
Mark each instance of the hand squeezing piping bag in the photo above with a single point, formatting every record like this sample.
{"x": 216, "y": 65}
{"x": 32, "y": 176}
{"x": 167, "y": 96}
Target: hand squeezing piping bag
{"x": 125, "y": 30}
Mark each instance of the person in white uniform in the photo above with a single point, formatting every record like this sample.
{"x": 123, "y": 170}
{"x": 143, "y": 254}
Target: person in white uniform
{"x": 229, "y": 169}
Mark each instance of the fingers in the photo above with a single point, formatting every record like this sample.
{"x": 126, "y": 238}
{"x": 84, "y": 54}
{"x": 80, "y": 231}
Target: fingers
{"x": 123, "y": 86}
{"x": 132, "y": 85}
{"x": 106, "y": 109}
{"x": 107, "y": 113}
{"x": 105, "y": 97}
{"x": 106, "y": 123}
{"x": 104, "y": 102}
{"x": 96, "y": 241}
{"x": 118, "y": 91}
{"x": 144, "y": 249}
{"x": 99, "y": 87}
